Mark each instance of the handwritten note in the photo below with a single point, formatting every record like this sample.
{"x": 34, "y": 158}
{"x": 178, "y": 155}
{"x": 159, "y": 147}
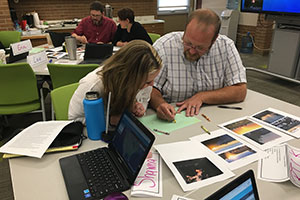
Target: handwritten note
{"x": 149, "y": 181}
{"x": 153, "y": 122}
{"x": 21, "y": 47}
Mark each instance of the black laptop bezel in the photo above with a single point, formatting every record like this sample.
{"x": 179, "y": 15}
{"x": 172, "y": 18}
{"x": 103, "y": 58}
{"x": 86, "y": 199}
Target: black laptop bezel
{"x": 90, "y": 48}
{"x": 129, "y": 175}
{"x": 233, "y": 184}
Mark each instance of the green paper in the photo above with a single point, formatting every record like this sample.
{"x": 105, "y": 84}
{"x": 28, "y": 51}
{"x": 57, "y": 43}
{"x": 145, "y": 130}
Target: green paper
{"x": 153, "y": 122}
{"x": 36, "y": 50}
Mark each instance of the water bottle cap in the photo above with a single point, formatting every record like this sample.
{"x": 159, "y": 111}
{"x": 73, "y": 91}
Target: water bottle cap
{"x": 92, "y": 95}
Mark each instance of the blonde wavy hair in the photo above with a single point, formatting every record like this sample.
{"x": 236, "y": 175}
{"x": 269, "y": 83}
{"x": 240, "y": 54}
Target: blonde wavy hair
{"x": 124, "y": 73}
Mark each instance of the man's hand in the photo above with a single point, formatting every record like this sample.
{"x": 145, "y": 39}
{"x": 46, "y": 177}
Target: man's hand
{"x": 138, "y": 109}
{"x": 192, "y": 105}
{"x": 166, "y": 111}
{"x": 83, "y": 39}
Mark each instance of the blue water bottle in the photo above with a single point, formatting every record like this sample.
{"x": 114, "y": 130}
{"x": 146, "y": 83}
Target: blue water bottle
{"x": 94, "y": 115}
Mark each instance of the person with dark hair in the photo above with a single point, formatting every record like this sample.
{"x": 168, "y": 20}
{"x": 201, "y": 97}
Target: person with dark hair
{"x": 200, "y": 66}
{"x": 128, "y": 29}
{"x": 95, "y": 28}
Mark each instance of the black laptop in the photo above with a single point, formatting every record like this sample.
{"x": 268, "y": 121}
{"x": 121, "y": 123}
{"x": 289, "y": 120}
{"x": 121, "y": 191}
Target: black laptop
{"x": 96, "y": 53}
{"x": 13, "y": 58}
{"x": 98, "y": 173}
{"x": 243, "y": 187}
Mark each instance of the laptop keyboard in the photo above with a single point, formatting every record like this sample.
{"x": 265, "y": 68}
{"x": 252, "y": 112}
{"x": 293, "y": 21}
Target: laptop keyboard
{"x": 99, "y": 172}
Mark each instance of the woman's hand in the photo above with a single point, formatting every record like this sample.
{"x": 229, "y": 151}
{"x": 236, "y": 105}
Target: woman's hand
{"x": 138, "y": 109}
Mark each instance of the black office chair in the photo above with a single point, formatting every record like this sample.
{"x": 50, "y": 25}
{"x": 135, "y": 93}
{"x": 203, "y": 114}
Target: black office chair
{"x": 58, "y": 38}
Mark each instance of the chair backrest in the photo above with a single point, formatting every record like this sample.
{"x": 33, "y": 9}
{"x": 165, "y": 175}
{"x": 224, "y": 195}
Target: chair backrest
{"x": 58, "y": 38}
{"x": 9, "y": 37}
{"x": 154, "y": 36}
{"x": 62, "y": 74}
{"x": 18, "y": 84}
{"x": 60, "y": 100}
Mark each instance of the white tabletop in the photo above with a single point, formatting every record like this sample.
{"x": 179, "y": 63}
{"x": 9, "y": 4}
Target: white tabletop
{"x": 42, "y": 178}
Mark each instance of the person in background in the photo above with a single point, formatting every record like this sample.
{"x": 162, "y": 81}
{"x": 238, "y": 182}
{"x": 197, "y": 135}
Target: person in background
{"x": 95, "y": 28}
{"x": 128, "y": 29}
{"x": 199, "y": 67}
{"x": 126, "y": 74}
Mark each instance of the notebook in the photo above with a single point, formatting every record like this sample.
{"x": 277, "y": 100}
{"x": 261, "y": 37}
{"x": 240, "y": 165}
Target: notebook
{"x": 123, "y": 158}
{"x": 243, "y": 187}
{"x": 96, "y": 53}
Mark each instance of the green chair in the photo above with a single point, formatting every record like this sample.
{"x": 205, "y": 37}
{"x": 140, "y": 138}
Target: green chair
{"x": 9, "y": 37}
{"x": 19, "y": 90}
{"x": 61, "y": 98}
{"x": 154, "y": 36}
{"x": 62, "y": 74}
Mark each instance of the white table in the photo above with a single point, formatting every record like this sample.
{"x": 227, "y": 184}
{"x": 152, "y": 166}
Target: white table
{"x": 42, "y": 178}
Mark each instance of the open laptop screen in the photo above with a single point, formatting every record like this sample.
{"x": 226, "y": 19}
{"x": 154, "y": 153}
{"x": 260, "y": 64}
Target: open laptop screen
{"x": 243, "y": 187}
{"x": 132, "y": 143}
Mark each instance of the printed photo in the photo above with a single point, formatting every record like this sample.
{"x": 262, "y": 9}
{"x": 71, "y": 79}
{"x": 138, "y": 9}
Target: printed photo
{"x": 288, "y": 124}
{"x": 197, "y": 169}
{"x": 243, "y": 126}
{"x": 236, "y": 154}
{"x": 262, "y": 136}
{"x": 221, "y": 143}
{"x": 268, "y": 116}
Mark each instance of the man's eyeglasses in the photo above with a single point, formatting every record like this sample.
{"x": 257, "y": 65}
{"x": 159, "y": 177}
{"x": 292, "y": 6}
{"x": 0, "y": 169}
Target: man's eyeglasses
{"x": 199, "y": 49}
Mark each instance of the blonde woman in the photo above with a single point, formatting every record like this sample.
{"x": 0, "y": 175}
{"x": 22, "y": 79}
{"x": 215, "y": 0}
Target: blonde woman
{"x": 127, "y": 74}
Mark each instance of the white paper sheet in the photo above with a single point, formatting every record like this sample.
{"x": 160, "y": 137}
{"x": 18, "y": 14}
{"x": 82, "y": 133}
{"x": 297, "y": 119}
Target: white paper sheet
{"x": 282, "y": 164}
{"x": 279, "y": 120}
{"x": 35, "y": 139}
{"x": 273, "y": 168}
{"x": 258, "y": 135}
{"x": 236, "y": 152}
{"x": 193, "y": 165}
{"x": 176, "y": 197}
{"x": 149, "y": 181}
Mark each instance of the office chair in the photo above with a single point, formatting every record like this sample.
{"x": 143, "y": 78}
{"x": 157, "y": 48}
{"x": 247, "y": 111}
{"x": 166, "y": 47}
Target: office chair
{"x": 19, "y": 90}
{"x": 62, "y": 74}
{"x": 58, "y": 38}
{"x": 154, "y": 36}
{"x": 60, "y": 98}
{"x": 9, "y": 37}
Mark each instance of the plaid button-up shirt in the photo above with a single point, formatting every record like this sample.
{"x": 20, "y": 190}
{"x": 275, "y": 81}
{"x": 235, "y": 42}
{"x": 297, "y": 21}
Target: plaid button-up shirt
{"x": 180, "y": 79}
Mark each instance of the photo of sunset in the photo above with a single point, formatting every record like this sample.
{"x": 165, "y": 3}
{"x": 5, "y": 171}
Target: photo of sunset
{"x": 221, "y": 143}
{"x": 268, "y": 116}
{"x": 243, "y": 126}
{"x": 237, "y": 154}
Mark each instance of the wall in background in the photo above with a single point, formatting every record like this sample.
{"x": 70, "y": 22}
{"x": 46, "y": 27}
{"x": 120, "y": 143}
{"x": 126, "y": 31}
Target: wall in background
{"x": 5, "y": 20}
{"x": 259, "y": 28}
{"x": 69, "y": 9}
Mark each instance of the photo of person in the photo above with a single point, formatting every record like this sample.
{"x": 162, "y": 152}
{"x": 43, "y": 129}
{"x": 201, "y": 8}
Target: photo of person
{"x": 221, "y": 143}
{"x": 197, "y": 169}
{"x": 236, "y": 154}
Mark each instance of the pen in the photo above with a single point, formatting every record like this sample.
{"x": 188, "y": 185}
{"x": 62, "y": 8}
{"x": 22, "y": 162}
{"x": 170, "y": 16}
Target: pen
{"x": 163, "y": 132}
{"x": 230, "y": 107}
{"x": 205, "y": 130}
{"x": 205, "y": 117}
